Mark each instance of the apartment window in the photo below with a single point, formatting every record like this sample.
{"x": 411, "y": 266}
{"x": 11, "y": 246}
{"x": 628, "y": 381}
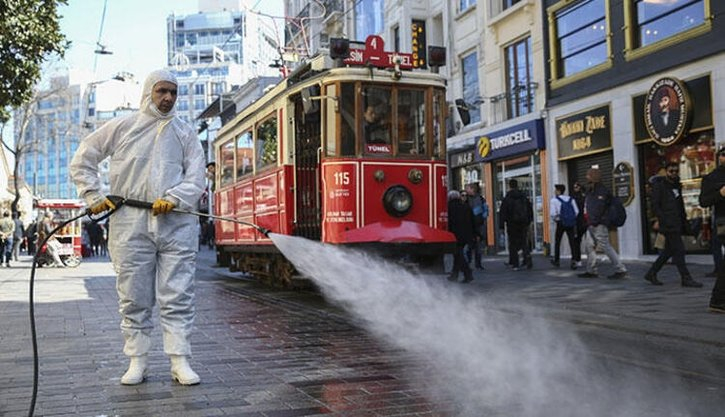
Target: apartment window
{"x": 199, "y": 104}
{"x": 183, "y": 105}
{"x": 183, "y": 90}
{"x": 581, "y": 37}
{"x": 519, "y": 73}
{"x": 464, "y": 5}
{"x": 508, "y": 3}
{"x": 470, "y": 85}
{"x": 657, "y": 20}
{"x": 199, "y": 89}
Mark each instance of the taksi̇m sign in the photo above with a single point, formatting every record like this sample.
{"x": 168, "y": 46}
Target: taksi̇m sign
{"x": 584, "y": 133}
{"x": 525, "y": 137}
{"x": 667, "y": 111}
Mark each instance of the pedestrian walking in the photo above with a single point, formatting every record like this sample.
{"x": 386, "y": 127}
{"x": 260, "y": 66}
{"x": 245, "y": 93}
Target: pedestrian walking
{"x": 155, "y": 156}
{"x": 669, "y": 209}
{"x": 712, "y": 194}
{"x": 7, "y": 231}
{"x": 564, "y": 213}
{"x": 516, "y": 214}
{"x": 460, "y": 223}
{"x": 18, "y": 235}
{"x": 479, "y": 208}
{"x": 596, "y": 206}
{"x": 31, "y": 237}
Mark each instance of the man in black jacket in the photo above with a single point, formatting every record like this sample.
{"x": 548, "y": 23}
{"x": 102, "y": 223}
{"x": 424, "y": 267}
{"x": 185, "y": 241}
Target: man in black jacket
{"x": 669, "y": 209}
{"x": 460, "y": 223}
{"x": 712, "y": 194}
{"x": 516, "y": 215}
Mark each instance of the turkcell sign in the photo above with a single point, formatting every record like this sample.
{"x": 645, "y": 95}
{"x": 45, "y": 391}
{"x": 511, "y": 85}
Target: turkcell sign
{"x": 511, "y": 141}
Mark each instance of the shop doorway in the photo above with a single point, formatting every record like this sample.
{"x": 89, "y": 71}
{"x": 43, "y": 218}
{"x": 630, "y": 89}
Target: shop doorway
{"x": 526, "y": 170}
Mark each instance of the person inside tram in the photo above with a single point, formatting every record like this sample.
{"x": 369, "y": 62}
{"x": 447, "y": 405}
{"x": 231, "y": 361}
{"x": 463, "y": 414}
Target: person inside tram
{"x": 375, "y": 127}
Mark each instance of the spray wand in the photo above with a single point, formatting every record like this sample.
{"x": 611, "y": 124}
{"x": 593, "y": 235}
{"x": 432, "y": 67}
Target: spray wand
{"x": 118, "y": 202}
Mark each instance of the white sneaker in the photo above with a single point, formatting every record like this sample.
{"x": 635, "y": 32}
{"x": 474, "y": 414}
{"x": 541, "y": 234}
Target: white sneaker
{"x": 137, "y": 371}
{"x": 181, "y": 372}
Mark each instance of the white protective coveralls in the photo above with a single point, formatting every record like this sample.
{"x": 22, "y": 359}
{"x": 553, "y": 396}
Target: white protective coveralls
{"x": 153, "y": 155}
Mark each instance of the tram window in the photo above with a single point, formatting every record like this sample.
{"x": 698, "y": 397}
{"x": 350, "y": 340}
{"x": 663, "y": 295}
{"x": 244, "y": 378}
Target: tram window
{"x": 411, "y": 122}
{"x": 347, "y": 113}
{"x": 376, "y": 120}
{"x": 244, "y": 154}
{"x": 267, "y": 143}
{"x": 439, "y": 148}
{"x": 227, "y": 164}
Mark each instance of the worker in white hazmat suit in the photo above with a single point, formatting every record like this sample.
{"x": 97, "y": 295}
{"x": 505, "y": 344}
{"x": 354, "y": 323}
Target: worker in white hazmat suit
{"x": 155, "y": 157}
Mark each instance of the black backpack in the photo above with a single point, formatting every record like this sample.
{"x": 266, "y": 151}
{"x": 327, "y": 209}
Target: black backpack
{"x": 616, "y": 214}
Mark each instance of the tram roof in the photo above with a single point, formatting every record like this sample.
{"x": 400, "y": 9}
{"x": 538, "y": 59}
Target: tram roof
{"x": 320, "y": 68}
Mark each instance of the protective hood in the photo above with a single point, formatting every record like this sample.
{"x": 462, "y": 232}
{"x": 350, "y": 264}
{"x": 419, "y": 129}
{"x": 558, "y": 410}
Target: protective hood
{"x": 147, "y": 106}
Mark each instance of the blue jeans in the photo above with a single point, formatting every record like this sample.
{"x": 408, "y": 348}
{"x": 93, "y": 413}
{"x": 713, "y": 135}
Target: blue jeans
{"x": 7, "y": 250}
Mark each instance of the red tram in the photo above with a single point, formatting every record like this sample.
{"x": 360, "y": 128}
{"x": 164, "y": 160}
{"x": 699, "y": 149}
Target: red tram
{"x": 346, "y": 155}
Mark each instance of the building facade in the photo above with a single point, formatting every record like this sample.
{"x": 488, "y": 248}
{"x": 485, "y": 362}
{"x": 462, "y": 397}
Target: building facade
{"x": 220, "y": 47}
{"x": 497, "y": 129}
{"x": 632, "y": 86}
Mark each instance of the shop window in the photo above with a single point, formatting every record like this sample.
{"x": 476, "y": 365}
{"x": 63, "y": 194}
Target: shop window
{"x": 696, "y": 157}
{"x": 267, "y": 143}
{"x": 656, "y": 21}
{"x": 245, "y": 153}
{"x": 579, "y": 36}
{"x": 471, "y": 94}
{"x": 227, "y": 164}
{"x": 519, "y": 83}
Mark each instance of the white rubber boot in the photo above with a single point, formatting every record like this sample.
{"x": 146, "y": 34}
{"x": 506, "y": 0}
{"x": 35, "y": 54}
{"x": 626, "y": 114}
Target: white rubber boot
{"x": 137, "y": 370}
{"x": 181, "y": 372}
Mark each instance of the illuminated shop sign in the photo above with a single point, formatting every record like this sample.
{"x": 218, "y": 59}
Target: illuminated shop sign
{"x": 667, "y": 110}
{"x": 417, "y": 28}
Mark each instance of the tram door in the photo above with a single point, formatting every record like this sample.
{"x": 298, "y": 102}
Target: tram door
{"x": 307, "y": 172}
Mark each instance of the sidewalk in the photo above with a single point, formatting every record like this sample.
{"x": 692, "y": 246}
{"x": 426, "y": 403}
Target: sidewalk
{"x": 631, "y": 304}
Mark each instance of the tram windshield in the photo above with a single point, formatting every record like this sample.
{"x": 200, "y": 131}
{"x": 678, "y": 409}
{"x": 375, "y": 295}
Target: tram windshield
{"x": 389, "y": 121}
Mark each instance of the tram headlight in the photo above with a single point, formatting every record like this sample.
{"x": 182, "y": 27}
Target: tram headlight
{"x": 397, "y": 201}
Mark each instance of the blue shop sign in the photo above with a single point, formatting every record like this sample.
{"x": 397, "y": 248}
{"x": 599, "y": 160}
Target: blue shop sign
{"x": 515, "y": 140}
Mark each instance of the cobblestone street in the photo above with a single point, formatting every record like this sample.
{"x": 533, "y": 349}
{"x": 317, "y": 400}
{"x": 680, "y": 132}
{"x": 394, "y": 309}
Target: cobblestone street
{"x": 268, "y": 353}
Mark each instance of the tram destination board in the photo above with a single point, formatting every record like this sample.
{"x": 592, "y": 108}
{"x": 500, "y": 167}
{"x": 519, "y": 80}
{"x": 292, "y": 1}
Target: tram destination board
{"x": 623, "y": 180}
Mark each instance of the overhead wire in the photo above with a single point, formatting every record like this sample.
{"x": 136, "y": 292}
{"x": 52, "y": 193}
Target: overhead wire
{"x": 100, "y": 35}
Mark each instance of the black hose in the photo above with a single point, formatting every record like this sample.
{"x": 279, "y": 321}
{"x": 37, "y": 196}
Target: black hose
{"x": 32, "y": 309}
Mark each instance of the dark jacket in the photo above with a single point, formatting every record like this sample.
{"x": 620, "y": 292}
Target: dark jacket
{"x": 596, "y": 203}
{"x": 509, "y": 206}
{"x": 478, "y": 204}
{"x": 710, "y": 193}
{"x": 460, "y": 221}
{"x": 668, "y": 206}
{"x": 579, "y": 198}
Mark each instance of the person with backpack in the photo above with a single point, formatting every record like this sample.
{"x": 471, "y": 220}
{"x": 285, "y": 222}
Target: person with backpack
{"x": 712, "y": 194}
{"x": 669, "y": 208}
{"x": 597, "y": 206}
{"x": 479, "y": 207}
{"x": 564, "y": 212}
{"x": 516, "y": 215}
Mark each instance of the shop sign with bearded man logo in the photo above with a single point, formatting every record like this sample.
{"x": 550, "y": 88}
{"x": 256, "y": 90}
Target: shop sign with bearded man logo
{"x": 667, "y": 111}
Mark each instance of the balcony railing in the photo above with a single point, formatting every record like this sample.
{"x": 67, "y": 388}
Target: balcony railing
{"x": 516, "y": 102}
